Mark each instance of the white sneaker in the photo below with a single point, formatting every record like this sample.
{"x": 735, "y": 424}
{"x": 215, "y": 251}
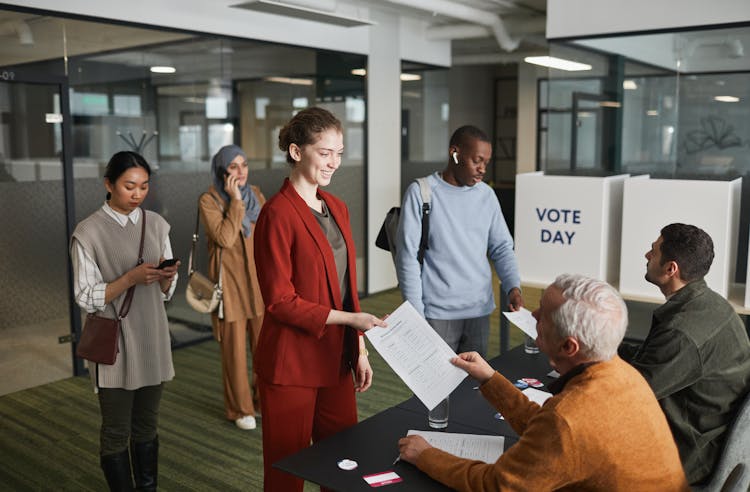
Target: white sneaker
{"x": 246, "y": 423}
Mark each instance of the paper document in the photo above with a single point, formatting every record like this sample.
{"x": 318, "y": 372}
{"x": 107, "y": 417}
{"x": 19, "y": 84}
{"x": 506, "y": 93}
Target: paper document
{"x": 524, "y": 320}
{"x": 537, "y": 396}
{"x": 417, "y": 354}
{"x": 469, "y": 446}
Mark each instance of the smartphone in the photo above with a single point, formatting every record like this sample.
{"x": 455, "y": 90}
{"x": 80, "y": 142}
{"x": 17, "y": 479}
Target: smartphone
{"x": 167, "y": 263}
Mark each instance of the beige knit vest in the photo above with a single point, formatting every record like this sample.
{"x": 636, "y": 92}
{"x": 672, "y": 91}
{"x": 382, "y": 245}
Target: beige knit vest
{"x": 145, "y": 357}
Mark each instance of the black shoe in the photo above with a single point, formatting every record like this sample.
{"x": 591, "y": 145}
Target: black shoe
{"x": 116, "y": 468}
{"x": 145, "y": 463}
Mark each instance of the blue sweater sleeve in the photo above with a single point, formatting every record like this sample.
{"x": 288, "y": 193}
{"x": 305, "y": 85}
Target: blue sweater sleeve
{"x": 408, "y": 270}
{"x": 500, "y": 251}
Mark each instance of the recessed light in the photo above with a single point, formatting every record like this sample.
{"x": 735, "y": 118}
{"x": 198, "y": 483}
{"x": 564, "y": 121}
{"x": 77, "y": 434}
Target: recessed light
{"x": 727, "y": 99}
{"x": 289, "y": 80}
{"x": 163, "y": 69}
{"x": 559, "y": 63}
{"x": 629, "y": 85}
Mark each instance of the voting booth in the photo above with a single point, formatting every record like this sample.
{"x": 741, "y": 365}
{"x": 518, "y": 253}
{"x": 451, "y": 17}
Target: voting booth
{"x": 568, "y": 224}
{"x": 650, "y": 204}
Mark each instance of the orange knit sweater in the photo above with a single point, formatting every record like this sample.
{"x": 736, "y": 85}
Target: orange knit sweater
{"x": 605, "y": 431}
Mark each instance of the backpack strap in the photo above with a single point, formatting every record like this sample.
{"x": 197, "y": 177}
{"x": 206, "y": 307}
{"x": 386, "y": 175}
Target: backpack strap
{"x": 426, "y": 192}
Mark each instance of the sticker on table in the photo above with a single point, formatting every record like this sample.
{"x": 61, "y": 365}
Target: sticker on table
{"x": 534, "y": 383}
{"x": 347, "y": 464}
{"x": 521, "y": 384}
{"x": 384, "y": 478}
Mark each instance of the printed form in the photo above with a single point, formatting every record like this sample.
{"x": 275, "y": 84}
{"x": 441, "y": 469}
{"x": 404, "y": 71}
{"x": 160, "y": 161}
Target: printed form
{"x": 469, "y": 446}
{"x": 417, "y": 354}
{"x": 524, "y": 320}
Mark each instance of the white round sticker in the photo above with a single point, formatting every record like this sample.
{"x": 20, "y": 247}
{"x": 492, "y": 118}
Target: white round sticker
{"x": 347, "y": 464}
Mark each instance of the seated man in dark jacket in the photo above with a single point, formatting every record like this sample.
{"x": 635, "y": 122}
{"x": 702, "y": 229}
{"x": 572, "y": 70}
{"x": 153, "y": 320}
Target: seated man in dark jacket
{"x": 696, "y": 356}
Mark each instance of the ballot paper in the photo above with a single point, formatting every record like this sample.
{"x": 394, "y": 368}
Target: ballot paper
{"x": 524, "y": 320}
{"x": 417, "y": 354}
{"x": 469, "y": 446}
{"x": 537, "y": 396}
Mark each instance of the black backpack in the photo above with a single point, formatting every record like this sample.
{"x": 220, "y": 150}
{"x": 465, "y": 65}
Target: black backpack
{"x": 387, "y": 236}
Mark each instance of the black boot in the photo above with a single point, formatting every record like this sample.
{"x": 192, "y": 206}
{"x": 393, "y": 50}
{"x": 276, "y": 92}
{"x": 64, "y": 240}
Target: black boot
{"x": 145, "y": 463}
{"x": 116, "y": 468}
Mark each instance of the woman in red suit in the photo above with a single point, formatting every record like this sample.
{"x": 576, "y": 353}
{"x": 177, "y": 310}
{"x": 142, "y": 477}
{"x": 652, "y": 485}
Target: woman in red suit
{"x": 311, "y": 339}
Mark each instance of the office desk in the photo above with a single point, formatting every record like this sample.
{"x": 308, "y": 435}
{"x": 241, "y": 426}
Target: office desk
{"x": 373, "y": 443}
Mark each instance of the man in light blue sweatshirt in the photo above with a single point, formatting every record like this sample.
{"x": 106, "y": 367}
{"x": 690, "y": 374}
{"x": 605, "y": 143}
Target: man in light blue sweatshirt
{"x": 452, "y": 289}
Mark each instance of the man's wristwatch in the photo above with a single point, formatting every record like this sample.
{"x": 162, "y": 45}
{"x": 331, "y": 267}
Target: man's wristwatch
{"x": 364, "y": 351}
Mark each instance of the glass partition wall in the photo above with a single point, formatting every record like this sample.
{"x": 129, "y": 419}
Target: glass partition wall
{"x": 174, "y": 97}
{"x": 673, "y": 105}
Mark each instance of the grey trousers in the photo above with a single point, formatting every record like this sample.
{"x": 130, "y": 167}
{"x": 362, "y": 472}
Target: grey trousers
{"x": 464, "y": 335}
{"x": 126, "y": 415}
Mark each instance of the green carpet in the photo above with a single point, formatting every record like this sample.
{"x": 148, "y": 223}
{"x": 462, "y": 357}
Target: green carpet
{"x": 49, "y": 434}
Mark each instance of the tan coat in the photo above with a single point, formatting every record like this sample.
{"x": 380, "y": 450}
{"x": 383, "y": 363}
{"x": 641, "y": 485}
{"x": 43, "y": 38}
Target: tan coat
{"x": 604, "y": 432}
{"x": 242, "y": 298}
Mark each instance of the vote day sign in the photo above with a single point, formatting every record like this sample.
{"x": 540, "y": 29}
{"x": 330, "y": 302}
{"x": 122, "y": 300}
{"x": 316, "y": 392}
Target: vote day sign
{"x": 568, "y": 224}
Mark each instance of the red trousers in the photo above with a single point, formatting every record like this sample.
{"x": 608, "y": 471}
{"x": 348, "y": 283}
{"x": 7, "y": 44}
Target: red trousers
{"x": 292, "y": 416}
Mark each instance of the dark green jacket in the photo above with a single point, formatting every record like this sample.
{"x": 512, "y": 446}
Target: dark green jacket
{"x": 696, "y": 358}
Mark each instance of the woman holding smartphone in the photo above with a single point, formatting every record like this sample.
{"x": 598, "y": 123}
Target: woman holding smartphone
{"x": 310, "y": 359}
{"x": 229, "y": 210}
{"x": 104, "y": 254}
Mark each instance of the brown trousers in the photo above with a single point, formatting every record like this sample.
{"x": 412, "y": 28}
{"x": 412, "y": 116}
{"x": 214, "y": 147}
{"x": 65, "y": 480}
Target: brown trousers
{"x": 240, "y": 399}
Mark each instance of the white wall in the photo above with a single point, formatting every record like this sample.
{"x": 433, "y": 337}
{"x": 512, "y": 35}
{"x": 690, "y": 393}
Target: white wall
{"x": 383, "y": 143}
{"x": 526, "y": 132}
{"x": 576, "y": 18}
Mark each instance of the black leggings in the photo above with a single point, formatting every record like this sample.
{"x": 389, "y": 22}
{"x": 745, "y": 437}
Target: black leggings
{"x": 126, "y": 415}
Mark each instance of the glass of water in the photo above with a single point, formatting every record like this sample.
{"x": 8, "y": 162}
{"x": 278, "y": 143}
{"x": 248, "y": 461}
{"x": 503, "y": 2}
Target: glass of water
{"x": 529, "y": 346}
{"x": 437, "y": 418}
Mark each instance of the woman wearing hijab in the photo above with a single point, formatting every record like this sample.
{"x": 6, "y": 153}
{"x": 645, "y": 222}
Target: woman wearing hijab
{"x": 229, "y": 210}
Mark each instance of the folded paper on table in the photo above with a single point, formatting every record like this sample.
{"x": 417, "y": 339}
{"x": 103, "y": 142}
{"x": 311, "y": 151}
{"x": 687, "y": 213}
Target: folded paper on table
{"x": 417, "y": 354}
{"x": 469, "y": 446}
{"x": 537, "y": 396}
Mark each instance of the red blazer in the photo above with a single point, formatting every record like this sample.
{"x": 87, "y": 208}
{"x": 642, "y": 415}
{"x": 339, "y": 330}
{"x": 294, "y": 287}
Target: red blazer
{"x": 298, "y": 280}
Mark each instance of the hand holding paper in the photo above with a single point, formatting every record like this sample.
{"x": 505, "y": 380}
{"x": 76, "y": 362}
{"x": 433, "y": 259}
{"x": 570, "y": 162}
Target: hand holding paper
{"x": 418, "y": 355}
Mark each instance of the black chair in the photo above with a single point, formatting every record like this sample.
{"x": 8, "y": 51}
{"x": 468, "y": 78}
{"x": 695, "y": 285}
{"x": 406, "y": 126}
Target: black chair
{"x": 732, "y": 473}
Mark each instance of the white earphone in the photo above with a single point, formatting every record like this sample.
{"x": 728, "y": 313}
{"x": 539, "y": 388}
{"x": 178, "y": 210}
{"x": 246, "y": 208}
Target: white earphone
{"x": 455, "y": 157}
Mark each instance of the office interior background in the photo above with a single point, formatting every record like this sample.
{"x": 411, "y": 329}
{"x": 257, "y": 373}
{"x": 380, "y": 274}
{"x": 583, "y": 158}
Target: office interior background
{"x": 669, "y": 96}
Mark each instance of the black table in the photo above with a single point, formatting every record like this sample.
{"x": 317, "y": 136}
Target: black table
{"x": 373, "y": 443}
{"x": 467, "y": 406}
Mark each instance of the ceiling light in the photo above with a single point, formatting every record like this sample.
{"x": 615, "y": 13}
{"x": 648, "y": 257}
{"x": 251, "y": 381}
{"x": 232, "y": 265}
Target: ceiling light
{"x": 610, "y": 104}
{"x": 652, "y": 112}
{"x": 405, "y": 77}
{"x": 629, "y": 85}
{"x": 559, "y": 63}
{"x": 289, "y": 80}
{"x": 727, "y": 99}
{"x": 163, "y": 69}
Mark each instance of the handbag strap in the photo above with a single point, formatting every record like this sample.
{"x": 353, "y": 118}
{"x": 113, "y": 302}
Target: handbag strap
{"x": 125, "y": 308}
{"x": 196, "y": 235}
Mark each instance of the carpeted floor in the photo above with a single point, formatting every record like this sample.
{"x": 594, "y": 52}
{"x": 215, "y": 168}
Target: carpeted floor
{"x": 49, "y": 434}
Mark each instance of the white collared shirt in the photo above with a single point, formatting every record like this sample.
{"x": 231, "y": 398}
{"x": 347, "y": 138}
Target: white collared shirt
{"x": 89, "y": 286}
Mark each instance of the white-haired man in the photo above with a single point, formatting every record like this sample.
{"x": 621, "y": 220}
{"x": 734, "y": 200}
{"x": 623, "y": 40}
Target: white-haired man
{"x": 603, "y": 428}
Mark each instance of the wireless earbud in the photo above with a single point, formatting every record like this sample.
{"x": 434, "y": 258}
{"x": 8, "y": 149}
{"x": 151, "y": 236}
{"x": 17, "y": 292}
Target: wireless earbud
{"x": 455, "y": 157}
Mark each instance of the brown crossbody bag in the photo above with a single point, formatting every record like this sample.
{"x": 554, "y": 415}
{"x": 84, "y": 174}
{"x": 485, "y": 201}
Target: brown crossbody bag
{"x": 100, "y": 335}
